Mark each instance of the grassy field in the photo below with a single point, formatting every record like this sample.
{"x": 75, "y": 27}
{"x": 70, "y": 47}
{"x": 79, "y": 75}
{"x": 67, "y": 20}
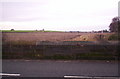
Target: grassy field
{"x": 25, "y": 37}
{"x": 23, "y": 44}
{"x": 29, "y": 31}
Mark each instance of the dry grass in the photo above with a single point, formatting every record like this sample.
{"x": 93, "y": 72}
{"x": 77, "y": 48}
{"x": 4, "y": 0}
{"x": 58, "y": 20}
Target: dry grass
{"x": 52, "y": 36}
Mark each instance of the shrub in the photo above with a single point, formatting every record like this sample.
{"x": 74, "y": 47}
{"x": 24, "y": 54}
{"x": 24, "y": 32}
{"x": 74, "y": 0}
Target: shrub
{"x": 114, "y": 37}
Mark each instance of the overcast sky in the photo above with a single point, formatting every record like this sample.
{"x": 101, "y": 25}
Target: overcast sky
{"x": 66, "y": 15}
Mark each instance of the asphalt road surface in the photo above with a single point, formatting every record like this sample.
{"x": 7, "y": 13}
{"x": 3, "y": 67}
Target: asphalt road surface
{"x": 52, "y": 68}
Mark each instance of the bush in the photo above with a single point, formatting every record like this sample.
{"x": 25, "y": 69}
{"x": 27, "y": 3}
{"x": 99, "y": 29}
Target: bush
{"x": 114, "y": 37}
{"x": 12, "y": 29}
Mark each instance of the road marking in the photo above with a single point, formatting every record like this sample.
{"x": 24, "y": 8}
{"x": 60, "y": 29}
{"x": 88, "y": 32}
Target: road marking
{"x": 76, "y": 77}
{"x": 5, "y": 74}
{"x": 87, "y": 77}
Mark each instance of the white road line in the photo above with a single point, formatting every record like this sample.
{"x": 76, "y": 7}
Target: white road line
{"x": 5, "y": 74}
{"x": 76, "y": 77}
{"x": 86, "y": 77}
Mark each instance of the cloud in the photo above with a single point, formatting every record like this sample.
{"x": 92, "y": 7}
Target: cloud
{"x": 58, "y": 14}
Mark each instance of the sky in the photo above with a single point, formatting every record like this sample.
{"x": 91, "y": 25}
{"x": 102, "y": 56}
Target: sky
{"x": 59, "y": 15}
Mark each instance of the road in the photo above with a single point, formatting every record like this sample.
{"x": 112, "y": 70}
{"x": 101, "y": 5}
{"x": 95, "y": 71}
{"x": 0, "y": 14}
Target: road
{"x": 52, "y": 68}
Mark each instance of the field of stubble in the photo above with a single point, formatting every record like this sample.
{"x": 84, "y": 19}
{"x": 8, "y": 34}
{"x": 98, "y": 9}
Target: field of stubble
{"x": 53, "y": 36}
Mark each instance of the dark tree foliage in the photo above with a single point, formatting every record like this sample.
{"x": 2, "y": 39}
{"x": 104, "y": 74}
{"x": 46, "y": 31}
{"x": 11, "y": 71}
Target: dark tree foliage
{"x": 115, "y": 25}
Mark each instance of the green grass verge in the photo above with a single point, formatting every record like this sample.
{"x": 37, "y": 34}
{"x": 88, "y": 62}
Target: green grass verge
{"x": 82, "y": 56}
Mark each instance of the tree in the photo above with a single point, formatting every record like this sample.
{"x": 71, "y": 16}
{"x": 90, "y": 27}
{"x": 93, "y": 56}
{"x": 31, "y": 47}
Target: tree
{"x": 12, "y": 29}
{"x": 115, "y": 25}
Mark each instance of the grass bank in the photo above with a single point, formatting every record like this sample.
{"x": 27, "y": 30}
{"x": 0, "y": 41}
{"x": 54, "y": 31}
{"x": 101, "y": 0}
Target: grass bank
{"x": 60, "y": 52}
